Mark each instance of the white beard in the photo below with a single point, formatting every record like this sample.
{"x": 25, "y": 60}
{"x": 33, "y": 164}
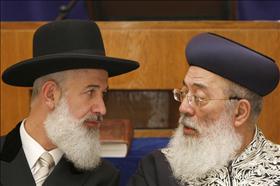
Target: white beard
{"x": 80, "y": 144}
{"x": 191, "y": 158}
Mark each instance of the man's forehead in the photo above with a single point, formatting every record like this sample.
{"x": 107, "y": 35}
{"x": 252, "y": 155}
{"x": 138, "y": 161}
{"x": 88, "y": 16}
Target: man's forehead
{"x": 204, "y": 78}
{"x": 85, "y": 77}
{"x": 93, "y": 74}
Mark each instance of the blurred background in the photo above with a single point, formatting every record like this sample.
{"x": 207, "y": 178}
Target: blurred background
{"x": 148, "y": 100}
{"x": 99, "y": 10}
{"x": 152, "y": 109}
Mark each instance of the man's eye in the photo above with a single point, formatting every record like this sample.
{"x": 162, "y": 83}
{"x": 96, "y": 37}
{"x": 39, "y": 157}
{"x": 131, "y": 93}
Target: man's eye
{"x": 105, "y": 96}
{"x": 90, "y": 92}
{"x": 199, "y": 99}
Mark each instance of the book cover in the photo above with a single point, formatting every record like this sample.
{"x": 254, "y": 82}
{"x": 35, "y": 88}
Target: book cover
{"x": 115, "y": 137}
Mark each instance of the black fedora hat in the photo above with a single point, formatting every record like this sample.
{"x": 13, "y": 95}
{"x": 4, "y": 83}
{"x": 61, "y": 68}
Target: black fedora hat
{"x": 64, "y": 45}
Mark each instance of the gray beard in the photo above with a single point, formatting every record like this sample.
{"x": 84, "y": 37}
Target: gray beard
{"x": 191, "y": 158}
{"x": 80, "y": 144}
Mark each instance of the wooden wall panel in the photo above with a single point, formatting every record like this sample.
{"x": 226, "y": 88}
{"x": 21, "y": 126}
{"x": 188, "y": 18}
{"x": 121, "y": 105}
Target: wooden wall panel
{"x": 158, "y": 46}
{"x": 15, "y": 46}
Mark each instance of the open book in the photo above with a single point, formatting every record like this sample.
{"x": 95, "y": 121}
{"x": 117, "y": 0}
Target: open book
{"x": 115, "y": 136}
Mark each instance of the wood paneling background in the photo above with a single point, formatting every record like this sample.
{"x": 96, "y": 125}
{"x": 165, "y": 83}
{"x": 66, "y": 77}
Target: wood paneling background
{"x": 158, "y": 46}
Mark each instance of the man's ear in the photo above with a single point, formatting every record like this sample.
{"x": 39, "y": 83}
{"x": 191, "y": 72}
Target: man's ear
{"x": 51, "y": 94}
{"x": 242, "y": 112}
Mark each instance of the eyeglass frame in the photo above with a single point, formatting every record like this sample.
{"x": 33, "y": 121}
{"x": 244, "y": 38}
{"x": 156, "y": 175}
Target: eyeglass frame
{"x": 180, "y": 95}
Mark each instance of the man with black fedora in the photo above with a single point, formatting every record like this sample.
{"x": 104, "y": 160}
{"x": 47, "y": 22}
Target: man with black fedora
{"x": 58, "y": 142}
{"x": 217, "y": 141}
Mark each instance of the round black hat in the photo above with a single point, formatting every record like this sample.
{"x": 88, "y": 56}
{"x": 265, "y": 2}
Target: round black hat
{"x": 233, "y": 61}
{"x": 64, "y": 45}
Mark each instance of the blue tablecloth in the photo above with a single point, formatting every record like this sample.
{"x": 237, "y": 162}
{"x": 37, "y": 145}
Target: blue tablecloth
{"x": 139, "y": 148}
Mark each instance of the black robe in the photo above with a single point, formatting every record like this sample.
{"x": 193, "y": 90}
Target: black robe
{"x": 153, "y": 170}
{"x": 258, "y": 164}
{"x": 15, "y": 170}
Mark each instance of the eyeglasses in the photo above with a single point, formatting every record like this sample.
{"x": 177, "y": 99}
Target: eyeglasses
{"x": 180, "y": 95}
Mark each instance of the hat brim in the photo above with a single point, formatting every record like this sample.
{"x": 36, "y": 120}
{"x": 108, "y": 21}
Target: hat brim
{"x": 25, "y": 72}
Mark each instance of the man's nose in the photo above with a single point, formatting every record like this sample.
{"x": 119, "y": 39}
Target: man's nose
{"x": 98, "y": 106}
{"x": 186, "y": 108}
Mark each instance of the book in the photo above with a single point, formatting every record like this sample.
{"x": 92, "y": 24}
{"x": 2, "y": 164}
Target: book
{"x": 115, "y": 137}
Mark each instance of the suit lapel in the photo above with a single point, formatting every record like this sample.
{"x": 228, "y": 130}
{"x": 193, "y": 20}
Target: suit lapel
{"x": 66, "y": 174}
{"x": 11, "y": 145}
{"x": 17, "y": 172}
{"x": 14, "y": 167}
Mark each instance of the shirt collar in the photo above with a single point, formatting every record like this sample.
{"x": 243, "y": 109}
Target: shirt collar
{"x": 253, "y": 148}
{"x": 33, "y": 150}
{"x": 56, "y": 154}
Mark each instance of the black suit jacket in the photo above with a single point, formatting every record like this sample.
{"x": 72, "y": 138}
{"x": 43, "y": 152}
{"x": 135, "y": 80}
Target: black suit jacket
{"x": 15, "y": 170}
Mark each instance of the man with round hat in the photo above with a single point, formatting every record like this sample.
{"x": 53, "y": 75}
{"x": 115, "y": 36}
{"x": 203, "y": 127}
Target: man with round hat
{"x": 58, "y": 142}
{"x": 217, "y": 141}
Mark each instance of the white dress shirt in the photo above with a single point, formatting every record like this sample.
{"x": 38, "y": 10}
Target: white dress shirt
{"x": 33, "y": 150}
